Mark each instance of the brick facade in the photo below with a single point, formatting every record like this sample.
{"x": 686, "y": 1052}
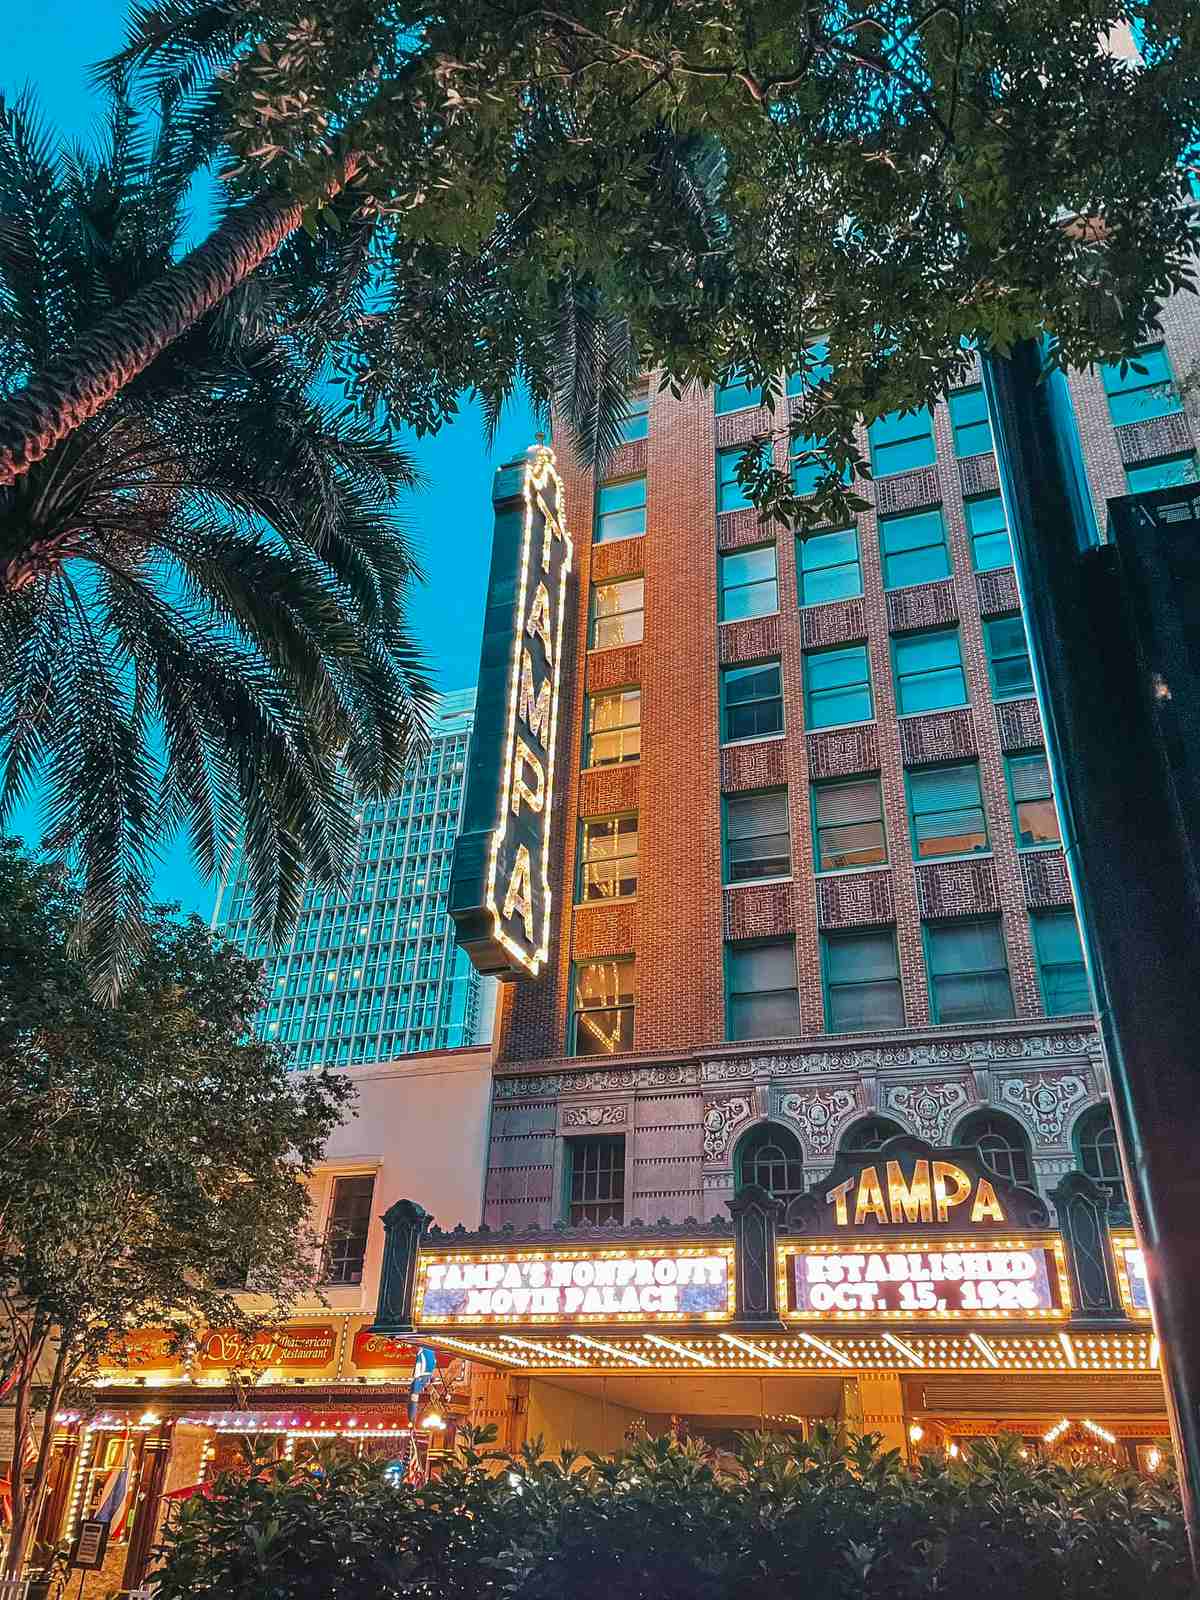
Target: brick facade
{"x": 687, "y": 1096}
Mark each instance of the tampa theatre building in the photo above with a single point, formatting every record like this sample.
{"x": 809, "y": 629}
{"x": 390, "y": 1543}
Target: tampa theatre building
{"x": 799, "y": 1111}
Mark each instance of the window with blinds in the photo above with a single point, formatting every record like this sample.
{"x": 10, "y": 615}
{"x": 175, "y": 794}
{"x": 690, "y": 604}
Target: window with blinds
{"x": 1060, "y": 962}
{"x": 756, "y": 836}
{"x": 848, "y": 825}
{"x": 617, "y": 613}
{"x": 946, "y": 811}
{"x": 614, "y": 728}
{"x": 862, "y": 980}
{"x": 968, "y": 971}
{"x": 608, "y": 858}
{"x": 763, "y": 1000}
{"x": 1035, "y": 818}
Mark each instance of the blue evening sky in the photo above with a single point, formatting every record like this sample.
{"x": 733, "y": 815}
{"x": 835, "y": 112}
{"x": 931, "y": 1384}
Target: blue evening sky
{"x": 51, "y": 46}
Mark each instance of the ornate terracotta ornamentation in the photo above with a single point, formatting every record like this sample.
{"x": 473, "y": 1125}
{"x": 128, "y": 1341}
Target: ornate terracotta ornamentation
{"x": 819, "y": 1114}
{"x": 593, "y": 1116}
{"x": 927, "y": 1107}
{"x": 721, "y": 1117}
{"x": 1044, "y": 1101}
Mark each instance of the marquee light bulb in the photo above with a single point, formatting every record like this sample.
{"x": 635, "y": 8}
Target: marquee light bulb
{"x": 916, "y": 1432}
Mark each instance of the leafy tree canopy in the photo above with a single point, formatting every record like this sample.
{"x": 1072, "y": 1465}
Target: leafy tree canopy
{"x": 151, "y": 1153}
{"x": 570, "y": 193}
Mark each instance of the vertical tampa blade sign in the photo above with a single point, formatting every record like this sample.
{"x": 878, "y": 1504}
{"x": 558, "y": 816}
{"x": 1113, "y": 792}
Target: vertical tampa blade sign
{"x": 500, "y": 893}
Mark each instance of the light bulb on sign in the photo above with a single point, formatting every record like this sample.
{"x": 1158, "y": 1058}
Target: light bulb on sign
{"x": 916, "y": 1433}
{"x": 952, "y": 1450}
{"x": 1153, "y": 1460}
{"x": 434, "y": 1420}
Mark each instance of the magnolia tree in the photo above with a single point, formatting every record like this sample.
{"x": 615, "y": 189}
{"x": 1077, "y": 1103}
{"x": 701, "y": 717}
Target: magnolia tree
{"x": 151, "y": 1155}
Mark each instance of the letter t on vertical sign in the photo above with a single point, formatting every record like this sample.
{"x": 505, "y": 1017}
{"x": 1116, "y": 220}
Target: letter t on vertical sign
{"x": 500, "y": 896}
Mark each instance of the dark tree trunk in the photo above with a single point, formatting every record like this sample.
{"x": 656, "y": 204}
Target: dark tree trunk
{"x": 57, "y": 400}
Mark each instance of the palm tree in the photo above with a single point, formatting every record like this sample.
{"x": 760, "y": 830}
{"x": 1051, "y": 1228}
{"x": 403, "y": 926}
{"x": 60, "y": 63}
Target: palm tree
{"x": 202, "y": 588}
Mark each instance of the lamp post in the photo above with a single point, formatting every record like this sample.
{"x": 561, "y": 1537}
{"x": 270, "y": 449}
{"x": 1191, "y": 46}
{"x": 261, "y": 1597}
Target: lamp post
{"x": 1131, "y": 827}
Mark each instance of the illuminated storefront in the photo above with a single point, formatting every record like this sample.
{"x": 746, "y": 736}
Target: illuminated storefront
{"x": 914, "y": 1293}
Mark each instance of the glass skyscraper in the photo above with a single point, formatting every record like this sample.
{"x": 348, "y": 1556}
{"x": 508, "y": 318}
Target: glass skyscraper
{"x": 376, "y": 973}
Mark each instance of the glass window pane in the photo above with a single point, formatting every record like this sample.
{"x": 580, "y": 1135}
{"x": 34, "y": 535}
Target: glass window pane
{"x": 929, "y": 674}
{"x": 969, "y": 419}
{"x": 617, "y": 613}
{"x": 901, "y": 441}
{"x": 1166, "y": 474}
{"x": 637, "y": 420}
{"x": 862, "y": 980}
{"x": 736, "y": 394}
{"x": 753, "y": 701}
{"x": 748, "y": 584}
{"x": 614, "y": 727}
{"x": 817, "y": 370}
{"x": 837, "y": 686}
{"x": 756, "y": 829}
{"x": 763, "y": 1001}
{"x": 913, "y": 549}
{"x": 1134, "y": 396}
{"x": 608, "y": 858}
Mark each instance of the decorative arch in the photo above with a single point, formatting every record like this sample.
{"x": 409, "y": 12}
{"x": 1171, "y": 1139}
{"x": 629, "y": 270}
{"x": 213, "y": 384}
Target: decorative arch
{"x": 1079, "y": 1113}
{"x": 1001, "y": 1143}
{"x": 1094, "y": 1142}
{"x": 770, "y": 1156}
{"x": 869, "y": 1133}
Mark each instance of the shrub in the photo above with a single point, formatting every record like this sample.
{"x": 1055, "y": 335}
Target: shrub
{"x": 827, "y": 1520}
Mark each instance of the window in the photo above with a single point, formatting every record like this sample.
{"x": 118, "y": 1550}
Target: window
{"x": 749, "y": 587}
{"x": 736, "y": 394}
{"x": 1135, "y": 396}
{"x": 929, "y": 672}
{"x": 848, "y": 824}
{"x": 969, "y": 419}
{"x": 752, "y": 701}
{"x": 862, "y": 980}
{"x": 837, "y": 686}
{"x": 1166, "y": 474}
{"x": 810, "y": 465}
{"x": 764, "y": 1002}
{"x": 819, "y": 370}
{"x": 636, "y": 424}
{"x": 770, "y": 1157}
{"x": 828, "y": 566}
{"x": 1097, "y": 1152}
{"x": 988, "y": 531}
{"x": 968, "y": 971}
{"x": 913, "y": 549}
{"x": 608, "y": 858}
{"x": 901, "y": 441}
{"x": 1008, "y": 657}
{"x": 604, "y": 996}
{"x": 614, "y": 728}
{"x": 620, "y": 509}
{"x": 616, "y": 613}
{"x": 595, "y": 1179}
{"x": 946, "y": 810}
{"x": 1034, "y": 813}
{"x": 1002, "y": 1146}
{"x": 1060, "y": 963}
{"x": 730, "y": 494}
{"x": 756, "y": 836}
{"x": 347, "y": 1229}
{"x": 869, "y": 1135}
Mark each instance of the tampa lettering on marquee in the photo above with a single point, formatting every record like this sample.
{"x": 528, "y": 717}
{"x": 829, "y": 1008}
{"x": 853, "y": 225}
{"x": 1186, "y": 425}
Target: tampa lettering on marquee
{"x": 518, "y": 886}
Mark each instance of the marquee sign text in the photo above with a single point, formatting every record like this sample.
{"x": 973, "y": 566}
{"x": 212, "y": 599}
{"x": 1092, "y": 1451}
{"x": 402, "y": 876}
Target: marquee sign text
{"x": 930, "y": 1191}
{"x": 612, "y": 1286}
{"x": 1010, "y": 1280}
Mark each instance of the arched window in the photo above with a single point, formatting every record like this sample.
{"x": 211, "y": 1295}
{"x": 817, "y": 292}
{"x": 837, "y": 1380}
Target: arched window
{"x": 1001, "y": 1145}
{"x": 1096, "y": 1149}
{"x": 770, "y": 1156}
{"x": 870, "y": 1134}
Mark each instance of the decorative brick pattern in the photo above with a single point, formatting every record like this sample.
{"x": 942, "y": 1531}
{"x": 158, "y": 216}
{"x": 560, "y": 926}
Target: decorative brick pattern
{"x": 604, "y": 930}
{"x": 978, "y": 475}
{"x": 997, "y": 592}
{"x": 843, "y": 752}
{"x": 838, "y": 622}
{"x": 759, "y": 911}
{"x": 757, "y": 765}
{"x": 907, "y": 491}
{"x": 924, "y": 605}
{"x": 617, "y": 668}
{"x": 1020, "y": 725}
{"x": 625, "y": 462}
{"x": 750, "y": 639}
{"x": 736, "y": 530}
{"x": 618, "y": 558}
{"x": 739, "y": 427}
{"x": 855, "y": 900}
{"x": 605, "y": 790}
{"x": 1157, "y": 436}
{"x": 937, "y": 736}
{"x": 1047, "y": 882}
{"x": 957, "y": 889}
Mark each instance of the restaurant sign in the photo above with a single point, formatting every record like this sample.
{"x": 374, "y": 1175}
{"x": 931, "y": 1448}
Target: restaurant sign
{"x": 292, "y": 1347}
{"x": 603, "y": 1285}
{"x": 500, "y": 897}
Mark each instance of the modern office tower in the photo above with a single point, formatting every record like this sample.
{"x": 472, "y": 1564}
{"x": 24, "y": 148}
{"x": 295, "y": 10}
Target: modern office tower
{"x": 375, "y": 973}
